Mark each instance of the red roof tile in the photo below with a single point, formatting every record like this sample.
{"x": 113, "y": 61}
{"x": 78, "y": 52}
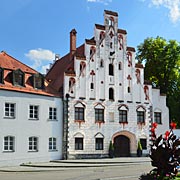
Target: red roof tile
{"x": 8, "y": 62}
{"x": 55, "y": 76}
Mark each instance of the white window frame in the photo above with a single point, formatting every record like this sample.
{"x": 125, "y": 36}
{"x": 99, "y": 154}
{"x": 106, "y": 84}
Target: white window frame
{"x": 52, "y": 114}
{"x": 34, "y": 113}
{"x": 9, "y": 144}
{"x": 52, "y": 144}
{"x": 9, "y": 110}
{"x": 33, "y": 144}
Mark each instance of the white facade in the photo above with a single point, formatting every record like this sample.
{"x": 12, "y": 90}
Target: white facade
{"x": 21, "y": 128}
{"x": 108, "y": 78}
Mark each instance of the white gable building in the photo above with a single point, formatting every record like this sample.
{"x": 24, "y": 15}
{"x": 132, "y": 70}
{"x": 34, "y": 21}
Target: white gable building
{"x": 105, "y": 95}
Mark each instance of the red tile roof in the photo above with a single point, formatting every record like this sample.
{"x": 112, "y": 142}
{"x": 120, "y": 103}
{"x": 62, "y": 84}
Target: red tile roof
{"x": 55, "y": 76}
{"x": 9, "y": 64}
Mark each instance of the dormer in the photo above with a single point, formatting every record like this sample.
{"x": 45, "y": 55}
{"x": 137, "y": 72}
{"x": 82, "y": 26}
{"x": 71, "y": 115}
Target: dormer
{"x": 38, "y": 81}
{"x": 18, "y": 77}
{"x": 1, "y": 75}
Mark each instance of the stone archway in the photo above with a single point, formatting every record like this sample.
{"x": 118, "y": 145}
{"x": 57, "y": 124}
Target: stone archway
{"x": 124, "y": 141}
{"x": 121, "y": 146}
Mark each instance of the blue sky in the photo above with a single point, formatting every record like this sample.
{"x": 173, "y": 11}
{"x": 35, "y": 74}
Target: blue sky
{"x": 33, "y": 31}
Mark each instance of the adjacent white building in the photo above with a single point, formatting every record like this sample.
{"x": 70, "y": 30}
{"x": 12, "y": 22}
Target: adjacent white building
{"x": 106, "y": 95}
{"x": 30, "y": 115}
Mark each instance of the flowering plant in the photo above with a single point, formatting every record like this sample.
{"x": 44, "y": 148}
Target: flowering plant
{"x": 164, "y": 154}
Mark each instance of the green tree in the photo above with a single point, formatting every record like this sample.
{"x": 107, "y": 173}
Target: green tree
{"x": 162, "y": 68}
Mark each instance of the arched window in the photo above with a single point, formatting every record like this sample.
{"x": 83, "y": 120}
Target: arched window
{"x": 111, "y": 70}
{"x": 101, "y": 63}
{"x": 138, "y": 76}
{"x": 82, "y": 68}
{"x": 120, "y": 66}
{"x": 92, "y": 51}
{"x": 92, "y": 85}
{"x": 79, "y": 112}
{"x": 79, "y": 141}
{"x": 146, "y": 92}
{"x": 141, "y": 115}
{"x": 120, "y": 40}
{"x": 129, "y": 58}
{"x": 111, "y": 21}
{"x": 111, "y": 94}
{"x": 71, "y": 85}
{"x": 99, "y": 113}
{"x": 101, "y": 37}
{"x": 123, "y": 111}
{"x": 99, "y": 141}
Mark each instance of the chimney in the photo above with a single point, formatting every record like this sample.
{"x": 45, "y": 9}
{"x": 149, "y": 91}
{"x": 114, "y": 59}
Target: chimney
{"x": 72, "y": 41}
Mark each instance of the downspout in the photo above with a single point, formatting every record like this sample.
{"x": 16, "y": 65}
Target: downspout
{"x": 65, "y": 127}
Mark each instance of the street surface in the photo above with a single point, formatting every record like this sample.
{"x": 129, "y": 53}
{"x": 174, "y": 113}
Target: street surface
{"x": 126, "y": 171}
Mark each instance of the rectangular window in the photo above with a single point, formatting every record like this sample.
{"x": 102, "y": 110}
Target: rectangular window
{"x": 9, "y": 110}
{"x": 140, "y": 117}
{"x": 99, "y": 143}
{"x": 18, "y": 78}
{"x": 33, "y": 112}
{"x": 79, "y": 113}
{"x": 52, "y": 113}
{"x": 38, "y": 81}
{"x": 33, "y": 144}
{"x": 122, "y": 116}
{"x": 143, "y": 143}
{"x": 78, "y": 143}
{"x": 9, "y": 143}
{"x": 52, "y": 144}
{"x": 99, "y": 115}
{"x": 157, "y": 117}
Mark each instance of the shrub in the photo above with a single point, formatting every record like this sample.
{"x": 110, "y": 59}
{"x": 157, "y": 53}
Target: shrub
{"x": 164, "y": 154}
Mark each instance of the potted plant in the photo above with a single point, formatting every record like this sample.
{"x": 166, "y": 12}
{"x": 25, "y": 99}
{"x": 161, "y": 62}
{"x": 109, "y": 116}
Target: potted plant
{"x": 111, "y": 150}
{"x": 139, "y": 149}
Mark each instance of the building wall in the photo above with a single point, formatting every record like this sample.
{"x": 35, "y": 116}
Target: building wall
{"x": 130, "y": 91}
{"x": 21, "y": 128}
{"x": 108, "y": 130}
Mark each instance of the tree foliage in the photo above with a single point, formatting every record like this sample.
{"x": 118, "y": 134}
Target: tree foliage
{"x": 162, "y": 67}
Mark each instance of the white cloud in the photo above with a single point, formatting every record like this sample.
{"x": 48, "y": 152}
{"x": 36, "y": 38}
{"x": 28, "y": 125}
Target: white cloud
{"x": 40, "y": 58}
{"x": 172, "y": 5}
{"x": 105, "y": 2}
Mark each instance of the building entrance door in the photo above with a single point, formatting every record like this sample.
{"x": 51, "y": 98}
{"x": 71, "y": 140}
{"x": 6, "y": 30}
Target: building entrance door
{"x": 121, "y": 146}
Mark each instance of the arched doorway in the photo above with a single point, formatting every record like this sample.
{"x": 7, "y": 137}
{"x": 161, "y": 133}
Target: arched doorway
{"x": 121, "y": 146}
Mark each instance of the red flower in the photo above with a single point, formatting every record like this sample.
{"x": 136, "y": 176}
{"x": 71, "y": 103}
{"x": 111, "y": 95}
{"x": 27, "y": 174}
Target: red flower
{"x": 154, "y": 125}
{"x": 152, "y": 129}
{"x": 173, "y": 125}
{"x": 167, "y": 134}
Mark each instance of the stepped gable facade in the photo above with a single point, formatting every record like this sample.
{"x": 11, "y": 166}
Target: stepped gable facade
{"x": 105, "y": 95}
